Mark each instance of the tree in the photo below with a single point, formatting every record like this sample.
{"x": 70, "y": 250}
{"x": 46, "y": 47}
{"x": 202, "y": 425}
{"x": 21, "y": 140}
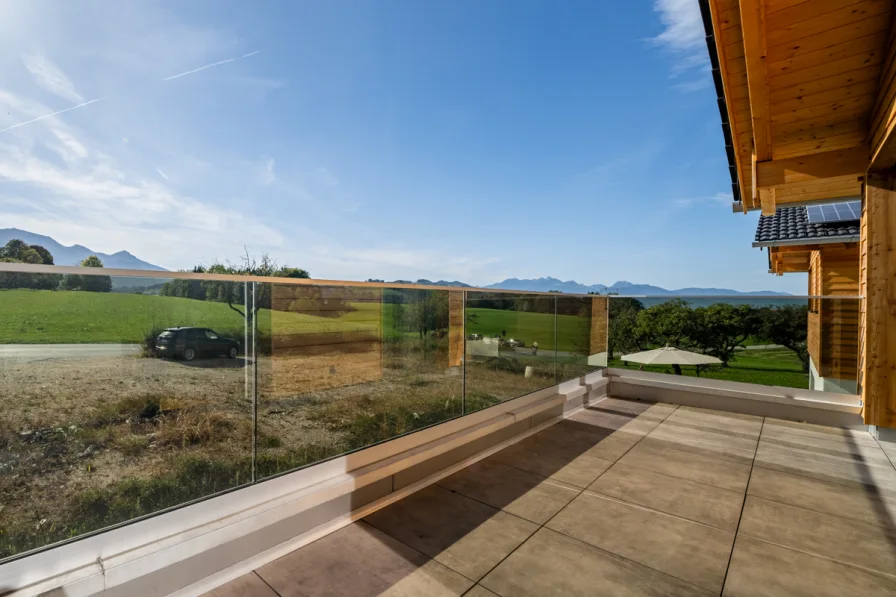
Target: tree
{"x": 718, "y": 329}
{"x": 88, "y": 283}
{"x": 666, "y": 324}
{"x": 788, "y": 326}
{"x": 17, "y": 251}
{"x": 622, "y": 334}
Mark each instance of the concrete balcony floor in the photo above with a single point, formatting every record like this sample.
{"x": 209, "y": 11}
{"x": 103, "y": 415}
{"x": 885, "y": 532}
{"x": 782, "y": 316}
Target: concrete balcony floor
{"x": 626, "y": 498}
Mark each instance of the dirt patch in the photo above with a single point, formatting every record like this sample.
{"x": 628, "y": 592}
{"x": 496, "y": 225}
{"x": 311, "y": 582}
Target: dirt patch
{"x": 88, "y": 442}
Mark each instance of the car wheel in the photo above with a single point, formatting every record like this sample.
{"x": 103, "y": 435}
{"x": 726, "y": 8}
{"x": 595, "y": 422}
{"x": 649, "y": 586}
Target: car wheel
{"x": 231, "y": 354}
{"x": 189, "y": 354}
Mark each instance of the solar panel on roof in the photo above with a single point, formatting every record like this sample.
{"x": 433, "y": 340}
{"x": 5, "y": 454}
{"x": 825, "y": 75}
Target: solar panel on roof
{"x": 834, "y": 212}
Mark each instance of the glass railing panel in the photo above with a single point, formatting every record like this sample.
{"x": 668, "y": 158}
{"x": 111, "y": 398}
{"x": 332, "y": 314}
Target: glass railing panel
{"x": 347, "y": 367}
{"x": 511, "y": 341}
{"x": 581, "y": 335}
{"x": 806, "y": 343}
{"x": 105, "y": 415}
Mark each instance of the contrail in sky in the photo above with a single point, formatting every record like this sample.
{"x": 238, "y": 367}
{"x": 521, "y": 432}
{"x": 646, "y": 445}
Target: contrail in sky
{"x": 99, "y": 99}
{"x": 220, "y": 62}
{"x": 15, "y": 126}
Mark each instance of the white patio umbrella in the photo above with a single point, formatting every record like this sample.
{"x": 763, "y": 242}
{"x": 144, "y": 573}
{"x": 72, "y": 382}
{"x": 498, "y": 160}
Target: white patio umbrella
{"x": 670, "y": 356}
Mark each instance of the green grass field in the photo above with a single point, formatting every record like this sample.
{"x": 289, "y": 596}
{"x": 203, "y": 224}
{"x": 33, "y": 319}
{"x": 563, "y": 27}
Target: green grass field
{"x": 771, "y": 367}
{"x": 573, "y": 333}
{"x": 55, "y": 317}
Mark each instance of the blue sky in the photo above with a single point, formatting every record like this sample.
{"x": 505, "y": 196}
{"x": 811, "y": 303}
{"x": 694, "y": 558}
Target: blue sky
{"x": 389, "y": 139}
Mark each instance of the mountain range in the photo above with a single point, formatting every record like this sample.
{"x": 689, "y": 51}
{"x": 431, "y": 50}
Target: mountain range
{"x": 621, "y": 287}
{"x": 73, "y": 255}
{"x": 63, "y": 255}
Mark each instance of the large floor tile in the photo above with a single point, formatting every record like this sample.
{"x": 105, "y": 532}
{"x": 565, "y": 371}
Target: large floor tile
{"x": 840, "y": 539}
{"x": 710, "y": 505}
{"x": 856, "y": 436}
{"x": 513, "y": 490}
{"x": 736, "y": 424}
{"x": 461, "y": 533}
{"x": 826, "y": 467}
{"x": 549, "y": 459}
{"x": 690, "y": 551}
{"x": 360, "y": 561}
{"x": 607, "y": 421}
{"x": 665, "y": 457}
{"x": 858, "y": 502}
{"x": 552, "y": 564}
{"x": 572, "y": 435}
{"x": 709, "y": 442}
{"x": 248, "y": 585}
{"x": 834, "y": 447}
{"x": 760, "y": 569}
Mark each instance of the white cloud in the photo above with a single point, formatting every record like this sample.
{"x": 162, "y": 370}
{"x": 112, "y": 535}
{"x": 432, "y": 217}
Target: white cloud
{"x": 91, "y": 198}
{"x": 684, "y": 38}
{"x": 70, "y": 149}
{"x": 51, "y": 78}
{"x": 162, "y": 174}
{"x": 265, "y": 174}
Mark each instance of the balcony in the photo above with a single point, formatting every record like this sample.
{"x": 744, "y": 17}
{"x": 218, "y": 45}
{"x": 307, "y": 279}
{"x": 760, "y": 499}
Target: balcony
{"x": 328, "y": 438}
{"x": 625, "y": 498}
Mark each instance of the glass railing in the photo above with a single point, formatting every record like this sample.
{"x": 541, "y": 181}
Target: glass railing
{"x": 122, "y": 397}
{"x": 810, "y": 343}
{"x": 126, "y": 396}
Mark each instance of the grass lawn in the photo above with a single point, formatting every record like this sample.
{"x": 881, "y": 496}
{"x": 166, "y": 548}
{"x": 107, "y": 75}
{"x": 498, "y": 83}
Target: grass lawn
{"x": 51, "y": 317}
{"x": 771, "y": 367}
{"x": 574, "y": 333}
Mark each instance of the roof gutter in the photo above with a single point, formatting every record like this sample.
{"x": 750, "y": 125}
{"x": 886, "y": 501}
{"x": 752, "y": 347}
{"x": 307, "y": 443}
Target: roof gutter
{"x": 829, "y": 240}
{"x": 720, "y": 97}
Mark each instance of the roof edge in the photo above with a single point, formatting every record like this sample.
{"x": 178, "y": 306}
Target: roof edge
{"x": 730, "y": 142}
{"x": 829, "y": 240}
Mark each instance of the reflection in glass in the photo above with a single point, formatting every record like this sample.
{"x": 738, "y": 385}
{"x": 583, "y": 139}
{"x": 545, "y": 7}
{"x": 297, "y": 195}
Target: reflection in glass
{"x": 776, "y": 341}
{"x": 348, "y": 367}
{"x": 105, "y": 415}
{"x": 510, "y": 346}
{"x": 581, "y": 335}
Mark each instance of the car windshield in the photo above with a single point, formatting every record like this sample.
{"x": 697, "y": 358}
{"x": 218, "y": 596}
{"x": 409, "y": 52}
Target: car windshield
{"x": 166, "y": 334}
{"x": 211, "y": 335}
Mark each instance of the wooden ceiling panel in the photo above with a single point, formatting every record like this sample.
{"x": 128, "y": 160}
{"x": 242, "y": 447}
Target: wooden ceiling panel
{"x": 826, "y": 83}
{"x": 773, "y": 6}
{"x": 849, "y": 108}
{"x": 730, "y": 18}
{"x": 798, "y": 13}
{"x": 830, "y": 97}
{"x": 852, "y": 47}
{"x": 807, "y": 26}
{"x": 830, "y": 188}
{"x": 819, "y": 124}
{"x": 822, "y": 70}
{"x": 819, "y": 145}
{"x": 832, "y": 37}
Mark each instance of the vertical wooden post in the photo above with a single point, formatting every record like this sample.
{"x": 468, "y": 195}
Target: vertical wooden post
{"x": 455, "y": 329}
{"x": 599, "y": 324}
{"x": 879, "y": 281}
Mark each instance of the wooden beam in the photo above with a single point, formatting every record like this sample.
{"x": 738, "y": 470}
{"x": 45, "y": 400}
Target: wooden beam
{"x": 767, "y": 201}
{"x": 752, "y": 19}
{"x": 842, "y": 162}
{"x": 883, "y": 119}
{"x": 879, "y": 358}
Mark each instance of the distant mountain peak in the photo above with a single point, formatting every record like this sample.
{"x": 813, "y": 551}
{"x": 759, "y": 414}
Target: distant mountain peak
{"x": 75, "y": 254}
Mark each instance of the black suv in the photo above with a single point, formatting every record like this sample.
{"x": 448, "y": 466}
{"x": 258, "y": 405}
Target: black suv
{"x": 189, "y": 343}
